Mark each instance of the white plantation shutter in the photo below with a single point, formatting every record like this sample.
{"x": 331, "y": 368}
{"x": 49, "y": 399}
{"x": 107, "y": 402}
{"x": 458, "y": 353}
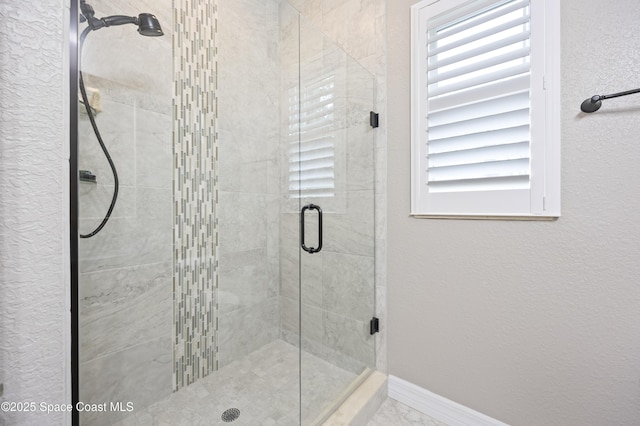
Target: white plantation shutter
{"x": 474, "y": 97}
{"x": 312, "y": 156}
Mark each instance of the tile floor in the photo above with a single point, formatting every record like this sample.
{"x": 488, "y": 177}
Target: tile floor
{"x": 259, "y": 386}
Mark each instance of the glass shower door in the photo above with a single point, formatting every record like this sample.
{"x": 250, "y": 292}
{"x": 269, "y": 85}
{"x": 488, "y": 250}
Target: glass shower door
{"x": 333, "y": 179}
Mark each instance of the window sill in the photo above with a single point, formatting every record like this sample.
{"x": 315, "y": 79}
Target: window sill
{"x": 485, "y": 217}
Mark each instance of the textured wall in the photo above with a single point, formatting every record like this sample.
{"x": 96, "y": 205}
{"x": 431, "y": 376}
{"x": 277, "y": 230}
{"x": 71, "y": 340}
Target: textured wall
{"x": 33, "y": 209}
{"x": 530, "y": 322}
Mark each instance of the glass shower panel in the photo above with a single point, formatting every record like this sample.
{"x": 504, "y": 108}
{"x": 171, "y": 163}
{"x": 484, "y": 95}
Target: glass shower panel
{"x": 197, "y": 301}
{"x": 125, "y": 270}
{"x": 333, "y": 180}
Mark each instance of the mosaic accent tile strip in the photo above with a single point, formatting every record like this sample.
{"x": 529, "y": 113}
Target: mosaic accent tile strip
{"x": 195, "y": 191}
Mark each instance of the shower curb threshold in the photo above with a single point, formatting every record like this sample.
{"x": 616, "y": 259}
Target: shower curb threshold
{"x": 362, "y": 404}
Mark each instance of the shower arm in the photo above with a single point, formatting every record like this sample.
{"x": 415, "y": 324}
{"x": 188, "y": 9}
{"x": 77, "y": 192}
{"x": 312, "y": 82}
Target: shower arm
{"x": 96, "y": 23}
{"x": 595, "y": 102}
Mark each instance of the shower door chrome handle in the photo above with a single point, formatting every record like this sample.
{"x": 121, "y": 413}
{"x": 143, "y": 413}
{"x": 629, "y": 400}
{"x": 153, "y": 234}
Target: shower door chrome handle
{"x": 302, "y": 244}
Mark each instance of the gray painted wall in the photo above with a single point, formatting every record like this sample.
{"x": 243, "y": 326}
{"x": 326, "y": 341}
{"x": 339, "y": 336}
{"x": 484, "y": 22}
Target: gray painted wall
{"x": 530, "y": 322}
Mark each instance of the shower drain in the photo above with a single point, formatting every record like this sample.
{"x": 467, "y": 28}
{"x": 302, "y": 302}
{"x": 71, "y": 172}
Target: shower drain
{"x": 230, "y": 415}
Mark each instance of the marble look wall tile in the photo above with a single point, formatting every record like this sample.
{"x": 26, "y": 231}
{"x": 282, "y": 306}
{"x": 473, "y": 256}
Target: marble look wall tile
{"x": 289, "y": 336}
{"x": 244, "y": 330}
{"x": 125, "y": 242}
{"x": 311, "y": 269}
{"x": 94, "y": 201}
{"x": 362, "y": 33}
{"x": 246, "y": 95}
{"x": 140, "y": 374}
{"x": 290, "y": 319}
{"x": 122, "y": 308}
{"x": 117, "y": 126}
{"x": 139, "y": 143}
{"x": 153, "y": 150}
{"x": 290, "y": 274}
{"x": 335, "y": 20}
{"x": 243, "y": 222}
{"x": 349, "y": 337}
{"x": 381, "y": 337}
{"x": 245, "y": 279}
{"x": 311, "y": 323}
{"x": 310, "y": 9}
{"x": 138, "y": 68}
{"x": 238, "y": 175}
{"x": 122, "y": 91}
{"x": 361, "y": 88}
{"x": 348, "y": 285}
{"x": 289, "y": 255}
{"x": 289, "y": 46}
{"x": 248, "y": 174}
{"x": 360, "y": 158}
{"x": 153, "y": 204}
{"x": 353, "y": 231}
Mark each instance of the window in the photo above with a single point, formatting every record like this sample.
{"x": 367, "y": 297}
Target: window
{"x": 485, "y": 108}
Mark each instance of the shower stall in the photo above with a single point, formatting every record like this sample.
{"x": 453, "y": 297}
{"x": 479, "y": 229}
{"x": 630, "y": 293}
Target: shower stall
{"x": 233, "y": 277}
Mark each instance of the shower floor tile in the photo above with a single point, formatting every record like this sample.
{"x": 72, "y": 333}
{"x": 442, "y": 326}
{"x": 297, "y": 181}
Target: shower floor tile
{"x": 263, "y": 386}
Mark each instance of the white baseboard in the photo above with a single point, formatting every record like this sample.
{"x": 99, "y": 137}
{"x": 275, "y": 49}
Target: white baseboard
{"x": 440, "y": 408}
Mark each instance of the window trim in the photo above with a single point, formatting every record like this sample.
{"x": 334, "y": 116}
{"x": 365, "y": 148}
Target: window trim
{"x": 544, "y": 192}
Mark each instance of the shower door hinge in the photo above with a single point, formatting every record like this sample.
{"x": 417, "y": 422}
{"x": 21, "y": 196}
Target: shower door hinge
{"x": 374, "y": 119}
{"x": 374, "y": 326}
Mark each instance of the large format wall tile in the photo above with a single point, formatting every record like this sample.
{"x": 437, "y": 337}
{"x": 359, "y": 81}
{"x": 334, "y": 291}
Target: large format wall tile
{"x": 140, "y": 374}
{"x": 350, "y": 339}
{"x": 121, "y": 308}
{"x": 244, "y": 330}
{"x": 116, "y": 123}
{"x": 248, "y": 279}
{"x": 348, "y": 285}
{"x": 352, "y": 232}
{"x": 248, "y": 170}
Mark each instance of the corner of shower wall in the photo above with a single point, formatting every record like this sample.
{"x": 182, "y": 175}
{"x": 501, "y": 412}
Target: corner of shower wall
{"x": 249, "y": 179}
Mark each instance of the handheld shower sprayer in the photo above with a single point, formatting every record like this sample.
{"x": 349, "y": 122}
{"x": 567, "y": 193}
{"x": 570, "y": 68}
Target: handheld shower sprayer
{"x": 148, "y": 25}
